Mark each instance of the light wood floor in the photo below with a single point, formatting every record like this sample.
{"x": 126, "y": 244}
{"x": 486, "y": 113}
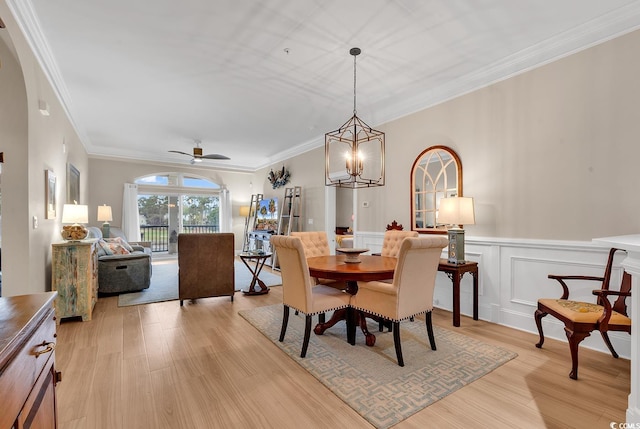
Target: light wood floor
{"x": 204, "y": 366}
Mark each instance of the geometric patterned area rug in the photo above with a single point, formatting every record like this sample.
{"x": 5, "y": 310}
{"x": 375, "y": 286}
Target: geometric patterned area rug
{"x": 368, "y": 379}
{"x": 164, "y": 283}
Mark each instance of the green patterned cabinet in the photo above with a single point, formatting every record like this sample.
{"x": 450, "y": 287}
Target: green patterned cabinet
{"x": 75, "y": 277}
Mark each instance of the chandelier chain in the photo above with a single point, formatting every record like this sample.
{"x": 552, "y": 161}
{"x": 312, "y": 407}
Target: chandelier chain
{"x": 354, "y": 85}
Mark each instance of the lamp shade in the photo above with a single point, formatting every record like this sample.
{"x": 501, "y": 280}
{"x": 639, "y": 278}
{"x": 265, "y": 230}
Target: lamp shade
{"x": 75, "y": 213}
{"x": 456, "y": 211}
{"x": 104, "y": 213}
{"x": 244, "y": 211}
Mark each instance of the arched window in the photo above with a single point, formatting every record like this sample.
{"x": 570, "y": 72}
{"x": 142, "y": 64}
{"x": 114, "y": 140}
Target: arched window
{"x": 173, "y": 203}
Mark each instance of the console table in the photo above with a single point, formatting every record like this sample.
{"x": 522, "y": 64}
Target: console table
{"x": 455, "y": 273}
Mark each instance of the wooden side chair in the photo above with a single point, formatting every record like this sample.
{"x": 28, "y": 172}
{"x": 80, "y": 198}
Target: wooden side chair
{"x": 299, "y": 290}
{"x": 394, "y": 226}
{"x": 581, "y": 318}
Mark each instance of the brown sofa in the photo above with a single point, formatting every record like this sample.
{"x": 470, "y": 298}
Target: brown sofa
{"x": 205, "y": 265}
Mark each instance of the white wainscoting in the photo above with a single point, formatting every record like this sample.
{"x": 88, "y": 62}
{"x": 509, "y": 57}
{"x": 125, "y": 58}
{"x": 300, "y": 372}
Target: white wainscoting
{"x": 513, "y": 275}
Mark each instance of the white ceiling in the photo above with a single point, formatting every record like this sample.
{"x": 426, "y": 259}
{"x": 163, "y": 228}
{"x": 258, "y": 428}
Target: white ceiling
{"x": 262, "y": 80}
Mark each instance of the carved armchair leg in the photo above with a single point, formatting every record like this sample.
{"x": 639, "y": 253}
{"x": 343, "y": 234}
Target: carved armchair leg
{"x": 605, "y": 337}
{"x": 575, "y": 338}
{"x": 538, "y": 316}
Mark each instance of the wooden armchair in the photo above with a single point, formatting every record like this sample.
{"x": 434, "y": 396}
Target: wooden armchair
{"x": 581, "y": 318}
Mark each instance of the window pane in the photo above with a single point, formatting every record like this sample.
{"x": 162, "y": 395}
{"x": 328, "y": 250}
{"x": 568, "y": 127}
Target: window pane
{"x": 195, "y": 182}
{"x": 153, "y": 180}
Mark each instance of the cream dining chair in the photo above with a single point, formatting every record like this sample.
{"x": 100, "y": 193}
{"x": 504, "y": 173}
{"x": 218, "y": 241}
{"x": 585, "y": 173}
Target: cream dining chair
{"x": 299, "y": 290}
{"x": 410, "y": 293}
{"x": 392, "y": 241}
{"x": 316, "y": 243}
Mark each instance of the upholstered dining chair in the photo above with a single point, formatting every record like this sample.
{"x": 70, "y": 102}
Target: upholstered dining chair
{"x": 581, "y": 318}
{"x": 299, "y": 291}
{"x": 392, "y": 240}
{"x": 316, "y": 243}
{"x": 410, "y": 293}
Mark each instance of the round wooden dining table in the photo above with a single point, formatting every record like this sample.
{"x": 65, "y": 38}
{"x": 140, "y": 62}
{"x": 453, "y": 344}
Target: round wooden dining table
{"x": 368, "y": 269}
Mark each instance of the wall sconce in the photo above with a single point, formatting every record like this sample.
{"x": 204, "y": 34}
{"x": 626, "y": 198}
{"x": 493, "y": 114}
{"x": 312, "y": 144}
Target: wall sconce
{"x": 104, "y": 215}
{"x": 362, "y": 146}
{"x": 75, "y": 214}
{"x": 456, "y": 211}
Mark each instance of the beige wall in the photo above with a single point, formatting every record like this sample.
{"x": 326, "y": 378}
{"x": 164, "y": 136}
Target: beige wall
{"x": 307, "y": 171}
{"x": 32, "y": 143}
{"x": 550, "y": 154}
{"x": 107, "y": 178}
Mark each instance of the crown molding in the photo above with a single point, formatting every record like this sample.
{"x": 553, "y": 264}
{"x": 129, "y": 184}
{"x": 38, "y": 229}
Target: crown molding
{"x": 27, "y": 20}
{"x": 604, "y": 28}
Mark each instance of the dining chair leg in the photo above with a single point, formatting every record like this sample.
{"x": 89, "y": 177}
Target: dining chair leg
{"x": 321, "y": 318}
{"x": 307, "y": 334}
{"x": 429, "y": 323}
{"x": 285, "y": 320}
{"x": 396, "y": 342}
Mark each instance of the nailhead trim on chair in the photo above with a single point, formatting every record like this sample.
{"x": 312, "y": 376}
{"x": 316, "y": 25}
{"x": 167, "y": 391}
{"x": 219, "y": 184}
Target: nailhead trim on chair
{"x": 392, "y": 320}
{"x": 317, "y": 312}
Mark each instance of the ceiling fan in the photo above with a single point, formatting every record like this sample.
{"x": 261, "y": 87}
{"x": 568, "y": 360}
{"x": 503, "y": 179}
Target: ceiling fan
{"x": 197, "y": 155}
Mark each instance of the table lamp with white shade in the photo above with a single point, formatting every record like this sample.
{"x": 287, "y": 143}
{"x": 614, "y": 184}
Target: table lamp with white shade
{"x": 104, "y": 215}
{"x": 456, "y": 211}
{"x": 76, "y": 215}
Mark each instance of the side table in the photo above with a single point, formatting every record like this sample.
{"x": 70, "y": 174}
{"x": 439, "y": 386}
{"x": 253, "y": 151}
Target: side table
{"x": 259, "y": 259}
{"x": 455, "y": 273}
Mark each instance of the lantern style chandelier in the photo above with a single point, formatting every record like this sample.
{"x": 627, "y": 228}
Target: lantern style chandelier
{"x": 354, "y": 153}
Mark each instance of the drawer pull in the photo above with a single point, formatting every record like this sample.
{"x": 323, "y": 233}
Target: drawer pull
{"x": 48, "y": 347}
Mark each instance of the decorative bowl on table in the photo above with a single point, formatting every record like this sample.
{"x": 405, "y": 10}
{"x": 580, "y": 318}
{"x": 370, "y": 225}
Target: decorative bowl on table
{"x": 353, "y": 255}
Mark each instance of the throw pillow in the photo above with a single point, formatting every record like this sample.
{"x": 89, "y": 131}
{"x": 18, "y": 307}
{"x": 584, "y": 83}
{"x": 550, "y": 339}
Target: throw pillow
{"x": 113, "y": 248}
{"x": 122, "y": 242}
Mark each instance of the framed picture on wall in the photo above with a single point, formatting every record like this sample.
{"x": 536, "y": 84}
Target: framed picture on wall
{"x": 73, "y": 185}
{"x": 50, "y": 194}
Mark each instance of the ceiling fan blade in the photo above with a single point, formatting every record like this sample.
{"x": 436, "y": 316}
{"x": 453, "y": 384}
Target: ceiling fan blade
{"x": 215, "y": 156}
{"x": 181, "y": 153}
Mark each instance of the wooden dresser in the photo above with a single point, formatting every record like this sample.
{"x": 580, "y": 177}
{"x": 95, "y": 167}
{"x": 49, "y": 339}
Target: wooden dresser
{"x": 27, "y": 362}
{"x": 74, "y": 275}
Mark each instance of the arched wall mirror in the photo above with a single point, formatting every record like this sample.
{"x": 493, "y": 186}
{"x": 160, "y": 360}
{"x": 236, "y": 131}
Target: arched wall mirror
{"x": 436, "y": 173}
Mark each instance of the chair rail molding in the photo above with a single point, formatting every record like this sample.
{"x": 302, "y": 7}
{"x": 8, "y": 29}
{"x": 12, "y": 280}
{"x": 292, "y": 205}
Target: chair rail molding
{"x": 513, "y": 275}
